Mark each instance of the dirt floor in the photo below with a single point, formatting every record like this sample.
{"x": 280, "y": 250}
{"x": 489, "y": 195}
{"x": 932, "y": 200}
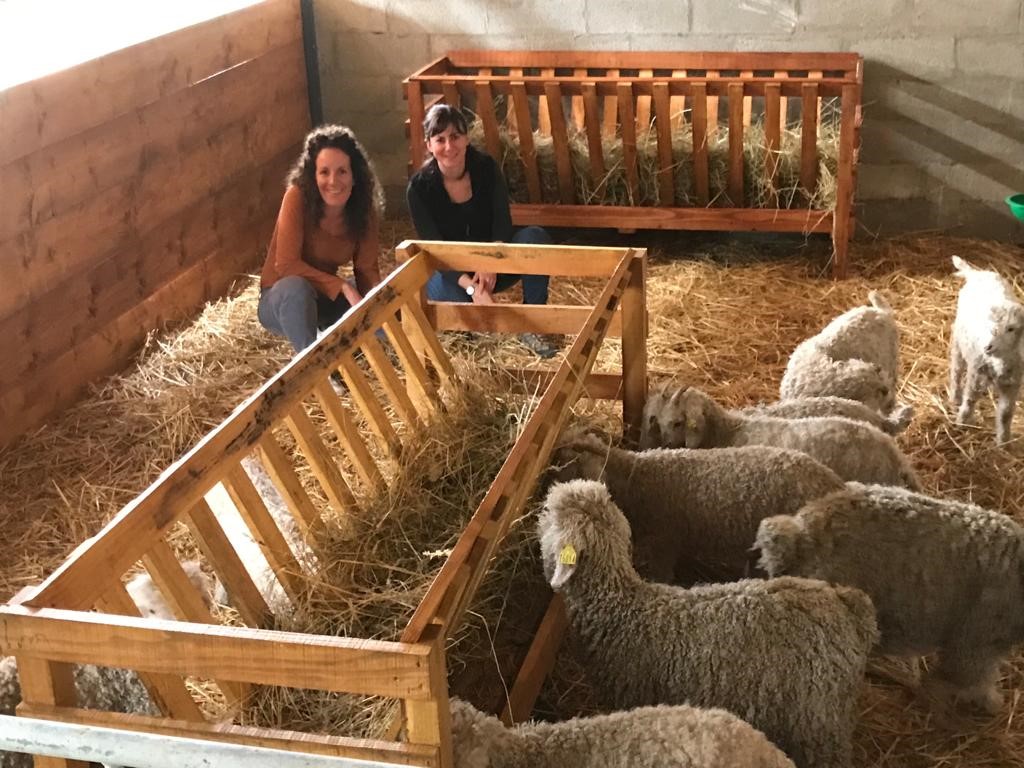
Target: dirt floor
{"x": 724, "y": 314}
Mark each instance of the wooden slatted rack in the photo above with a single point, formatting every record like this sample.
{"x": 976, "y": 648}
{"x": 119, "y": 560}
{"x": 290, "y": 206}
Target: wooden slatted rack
{"x": 82, "y": 613}
{"x": 613, "y": 93}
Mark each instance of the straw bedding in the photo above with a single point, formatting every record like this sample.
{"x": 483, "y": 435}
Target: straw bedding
{"x": 725, "y": 328}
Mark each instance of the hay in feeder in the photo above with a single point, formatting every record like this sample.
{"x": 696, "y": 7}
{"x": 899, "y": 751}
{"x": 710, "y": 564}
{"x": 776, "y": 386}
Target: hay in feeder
{"x": 760, "y": 190}
{"x": 378, "y": 566}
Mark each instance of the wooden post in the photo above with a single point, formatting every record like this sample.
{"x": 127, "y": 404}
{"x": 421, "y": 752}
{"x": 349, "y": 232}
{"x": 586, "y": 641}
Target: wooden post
{"x": 735, "y": 183}
{"x": 666, "y": 163}
{"x": 845, "y": 179}
{"x": 428, "y": 722}
{"x": 809, "y": 138}
{"x": 417, "y": 145}
{"x": 628, "y": 128}
{"x": 772, "y": 138}
{"x": 594, "y": 142}
{"x": 634, "y": 348}
{"x": 53, "y": 684}
{"x": 699, "y": 123}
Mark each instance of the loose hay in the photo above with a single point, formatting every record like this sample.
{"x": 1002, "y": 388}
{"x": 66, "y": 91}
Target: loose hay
{"x": 728, "y": 330}
{"x": 760, "y": 189}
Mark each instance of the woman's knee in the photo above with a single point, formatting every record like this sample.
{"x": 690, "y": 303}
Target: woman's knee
{"x": 532, "y": 236}
{"x": 294, "y": 288}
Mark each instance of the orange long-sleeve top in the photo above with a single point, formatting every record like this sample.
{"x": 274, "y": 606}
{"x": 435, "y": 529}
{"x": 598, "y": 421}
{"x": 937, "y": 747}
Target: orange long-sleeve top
{"x": 315, "y": 250}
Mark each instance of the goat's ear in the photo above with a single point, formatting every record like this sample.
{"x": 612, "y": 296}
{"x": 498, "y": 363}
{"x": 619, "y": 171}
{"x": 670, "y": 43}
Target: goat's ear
{"x": 565, "y": 566}
{"x": 677, "y": 395}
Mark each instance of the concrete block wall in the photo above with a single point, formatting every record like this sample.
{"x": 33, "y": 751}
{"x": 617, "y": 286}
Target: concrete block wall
{"x": 943, "y": 136}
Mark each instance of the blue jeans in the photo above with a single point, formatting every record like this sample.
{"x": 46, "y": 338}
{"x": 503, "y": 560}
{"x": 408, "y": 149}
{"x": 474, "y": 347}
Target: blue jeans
{"x": 293, "y": 308}
{"x": 535, "y": 287}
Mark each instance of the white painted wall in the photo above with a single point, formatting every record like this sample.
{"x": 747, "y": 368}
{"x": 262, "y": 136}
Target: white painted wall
{"x": 943, "y": 135}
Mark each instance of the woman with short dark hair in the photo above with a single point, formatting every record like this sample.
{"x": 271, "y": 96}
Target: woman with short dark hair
{"x": 459, "y": 194}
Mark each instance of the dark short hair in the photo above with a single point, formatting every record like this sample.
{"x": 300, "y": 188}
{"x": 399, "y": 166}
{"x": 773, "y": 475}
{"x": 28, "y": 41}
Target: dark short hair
{"x": 367, "y": 197}
{"x": 440, "y": 117}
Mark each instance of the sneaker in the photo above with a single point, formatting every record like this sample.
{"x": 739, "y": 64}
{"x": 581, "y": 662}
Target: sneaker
{"x": 538, "y": 345}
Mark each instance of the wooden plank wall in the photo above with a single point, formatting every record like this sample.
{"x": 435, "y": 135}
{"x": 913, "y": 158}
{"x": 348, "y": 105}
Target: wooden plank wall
{"x": 135, "y": 187}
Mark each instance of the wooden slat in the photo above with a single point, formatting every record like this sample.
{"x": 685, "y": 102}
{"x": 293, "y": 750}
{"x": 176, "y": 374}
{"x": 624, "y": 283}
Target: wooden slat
{"x": 747, "y": 100}
{"x": 261, "y": 656}
{"x": 45, "y": 683}
{"x": 423, "y": 392}
{"x": 578, "y": 113}
{"x": 485, "y": 108}
{"x": 689, "y": 218}
{"x": 712, "y": 105}
{"x": 643, "y": 107}
{"x": 841, "y": 229}
{"x": 294, "y": 741}
{"x": 185, "y": 600}
{"x": 421, "y": 328}
{"x": 368, "y": 404}
{"x": 611, "y": 108}
{"x": 783, "y": 103}
{"x": 515, "y": 318}
{"x": 701, "y": 179}
{"x": 393, "y": 386}
{"x": 595, "y": 146}
{"x": 281, "y": 472}
{"x": 348, "y": 436}
{"x": 544, "y": 108}
{"x": 628, "y": 123}
{"x": 817, "y": 75}
{"x": 809, "y": 108}
{"x": 510, "y": 104}
{"x": 573, "y": 260}
{"x": 220, "y": 553}
{"x": 677, "y": 104}
{"x": 265, "y": 531}
{"x": 539, "y": 662}
{"x": 666, "y": 163}
{"x": 560, "y": 140}
{"x": 526, "y": 148}
{"x": 772, "y": 141}
{"x": 167, "y": 691}
{"x": 49, "y": 109}
{"x": 339, "y": 495}
{"x": 656, "y": 59}
{"x": 735, "y": 183}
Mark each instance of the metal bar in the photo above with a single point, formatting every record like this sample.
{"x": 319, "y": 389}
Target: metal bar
{"x": 113, "y": 746}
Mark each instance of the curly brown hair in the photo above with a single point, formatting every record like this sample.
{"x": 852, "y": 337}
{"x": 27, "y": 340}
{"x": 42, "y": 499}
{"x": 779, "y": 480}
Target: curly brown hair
{"x": 367, "y": 197}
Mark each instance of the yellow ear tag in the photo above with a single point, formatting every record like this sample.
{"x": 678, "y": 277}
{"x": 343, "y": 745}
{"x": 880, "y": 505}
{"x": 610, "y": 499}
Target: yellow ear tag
{"x": 568, "y": 555}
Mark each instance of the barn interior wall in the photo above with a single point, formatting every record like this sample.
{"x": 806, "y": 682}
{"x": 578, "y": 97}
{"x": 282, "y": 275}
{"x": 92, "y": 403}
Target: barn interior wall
{"x": 943, "y": 140}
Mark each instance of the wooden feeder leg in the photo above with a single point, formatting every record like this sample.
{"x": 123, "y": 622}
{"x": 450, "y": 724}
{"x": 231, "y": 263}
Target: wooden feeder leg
{"x": 50, "y": 684}
{"x": 634, "y": 349}
{"x": 429, "y": 721}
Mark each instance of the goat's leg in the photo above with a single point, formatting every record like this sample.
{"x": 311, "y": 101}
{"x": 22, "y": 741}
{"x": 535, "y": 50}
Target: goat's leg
{"x": 973, "y": 385}
{"x": 1008, "y": 393}
{"x": 956, "y": 374}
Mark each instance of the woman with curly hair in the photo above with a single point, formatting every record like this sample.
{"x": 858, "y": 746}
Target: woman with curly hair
{"x": 329, "y": 218}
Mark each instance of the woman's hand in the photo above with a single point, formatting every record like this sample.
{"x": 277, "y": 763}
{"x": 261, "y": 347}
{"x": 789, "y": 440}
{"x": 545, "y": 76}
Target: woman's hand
{"x": 482, "y": 297}
{"x": 485, "y": 281}
{"x": 350, "y": 293}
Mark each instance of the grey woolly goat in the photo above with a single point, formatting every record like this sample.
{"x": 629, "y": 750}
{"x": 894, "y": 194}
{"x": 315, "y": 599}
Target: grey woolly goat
{"x": 694, "y": 514}
{"x": 987, "y": 346}
{"x": 660, "y": 408}
{"x": 944, "y": 576}
{"x": 855, "y": 356}
{"x": 647, "y": 737}
{"x": 852, "y": 449}
{"x": 788, "y": 655}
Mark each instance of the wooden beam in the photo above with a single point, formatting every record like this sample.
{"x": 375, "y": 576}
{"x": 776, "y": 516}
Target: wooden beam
{"x": 690, "y": 218}
{"x": 265, "y": 657}
{"x": 539, "y": 662}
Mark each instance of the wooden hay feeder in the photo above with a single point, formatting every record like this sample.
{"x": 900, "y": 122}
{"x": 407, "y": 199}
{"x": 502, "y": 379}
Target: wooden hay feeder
{"x": 650, "y": 96}
{"x": 82, "y": 613}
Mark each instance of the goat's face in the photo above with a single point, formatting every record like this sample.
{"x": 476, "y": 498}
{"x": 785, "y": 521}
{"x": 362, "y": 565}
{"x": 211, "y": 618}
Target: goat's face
{"x": 864, "y": 381}
{"x": 1007, "y": 339}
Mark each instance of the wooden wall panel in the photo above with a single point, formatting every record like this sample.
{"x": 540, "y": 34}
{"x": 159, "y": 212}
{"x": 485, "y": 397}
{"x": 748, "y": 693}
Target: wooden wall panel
{"x": 130, "y": 208}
